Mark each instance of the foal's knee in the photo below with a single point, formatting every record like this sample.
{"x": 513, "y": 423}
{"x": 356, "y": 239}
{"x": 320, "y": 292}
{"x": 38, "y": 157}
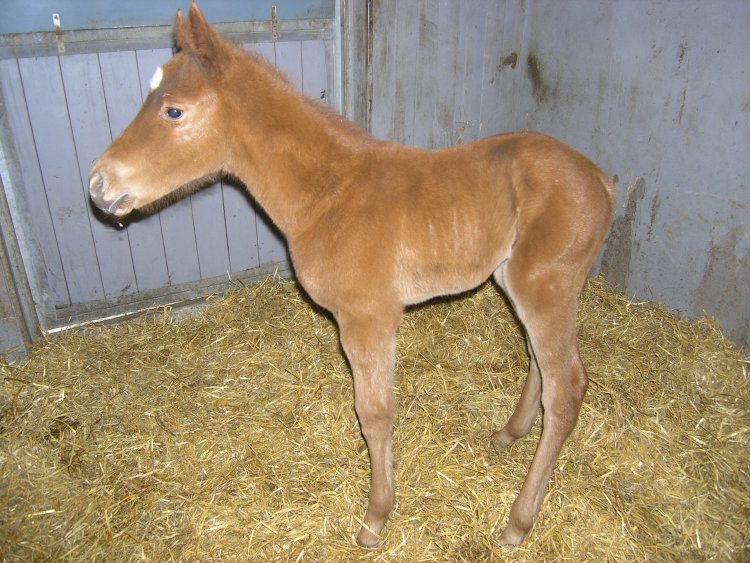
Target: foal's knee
{"x": 375, "y": 419}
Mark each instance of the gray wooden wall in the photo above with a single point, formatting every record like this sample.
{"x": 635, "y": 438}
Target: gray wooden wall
{"x": 63, "y": 112}
{"x": 655, "y": 92}
{"x": 60, "y": 111}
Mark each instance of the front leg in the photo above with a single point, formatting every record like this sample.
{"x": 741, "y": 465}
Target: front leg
{"x": 369, "y": 341}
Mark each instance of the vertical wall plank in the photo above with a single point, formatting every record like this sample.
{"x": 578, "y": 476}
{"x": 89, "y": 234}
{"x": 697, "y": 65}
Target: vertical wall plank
{"x": 383, "y": 72}
{"x": 242, "y": 233}
{"x": 446, "y": 63}
{"x": 289, "y": 60}
{"x": 314, "y": 72}
{"x": 88, "y": 117}
{"x": 45, "y": 98}
{"x": 177, "y": 227}
{"x": 122, "y": 92}
{"x": 209, "y": 254}
{"x": 503, "y": 65}
{"x": 271, "y": 246}
{"x": 470, "y": 47}
{"x": 241, "y": 222}
{"x": 210, "y": 231}
{"x": 421, "y": 44}
{"x": 426, "y": 65}
{"x": 49, "y": 266}
{"x": 406, "y": 37}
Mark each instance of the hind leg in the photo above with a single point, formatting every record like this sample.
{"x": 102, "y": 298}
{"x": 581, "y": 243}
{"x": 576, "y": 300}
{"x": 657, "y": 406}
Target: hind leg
{"x": 522, "y": 420}
{"x": 546, "y": 304}
{"x": 524, "y": 415}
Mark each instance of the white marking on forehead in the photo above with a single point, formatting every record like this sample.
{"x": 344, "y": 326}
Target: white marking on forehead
{"x": 156, "y": 79}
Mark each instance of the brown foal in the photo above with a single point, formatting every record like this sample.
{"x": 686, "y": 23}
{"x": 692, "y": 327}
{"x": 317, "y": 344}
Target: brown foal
{"x": 374, "y": 226}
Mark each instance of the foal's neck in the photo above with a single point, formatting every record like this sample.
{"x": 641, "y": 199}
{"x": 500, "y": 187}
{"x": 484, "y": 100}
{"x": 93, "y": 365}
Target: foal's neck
{"x": 292, "y": 151}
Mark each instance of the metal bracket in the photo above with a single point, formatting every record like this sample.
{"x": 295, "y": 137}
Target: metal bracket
{"x": 274, "y": 24}
{"x": 58, "y": 33}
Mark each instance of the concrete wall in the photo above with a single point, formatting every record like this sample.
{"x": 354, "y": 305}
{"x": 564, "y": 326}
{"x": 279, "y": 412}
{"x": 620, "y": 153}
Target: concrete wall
{"x": 656, "y": 92}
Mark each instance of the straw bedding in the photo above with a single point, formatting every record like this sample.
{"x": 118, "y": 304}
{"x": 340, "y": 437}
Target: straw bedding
{"x": 231, "y": 435}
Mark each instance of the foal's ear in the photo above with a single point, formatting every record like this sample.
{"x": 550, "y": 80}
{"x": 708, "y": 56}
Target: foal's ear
{"x": 182, "y": 33}
{"x": 197, "y": 39}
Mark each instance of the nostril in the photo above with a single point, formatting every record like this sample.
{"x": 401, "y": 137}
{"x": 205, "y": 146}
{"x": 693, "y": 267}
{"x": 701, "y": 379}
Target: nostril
{"x": 104, "y": 195}
{"x": 96, "y": 184}
{"x": 120, "y": 204}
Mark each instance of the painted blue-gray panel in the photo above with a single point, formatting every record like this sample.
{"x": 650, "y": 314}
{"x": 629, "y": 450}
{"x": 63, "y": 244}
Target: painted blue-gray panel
{"x": 242, "y": 233}
{"x": 431, "y": 39}
{"x": 289, "y": 61}
{"x": 50, "y": 269}
{"x": 384, "y": 67}
{"x": 11, "y": 340}
{"x": 271, "y": 246}
{"x": 438, "y": 57}
{"x": 210, "y": 231}
{"x": 655, "y": 92}
{"x": 123, "y": 95}
{"x": 420, "y": 75}
{"x": 659, "y": 95}
{"x": 471, "y": 48}
{"x": 179, "y": 242}
{"x": 314, "y": 72}
{"x": 178, "y": 233}
{"x": 64, "y": 111}
{"x": 443, "y": 70}
{"x": 504, "y": 35}
{"x": 406, "y": 36}
{"x": 88, "y": 115}
{"x": 46, "y": 102}
{"x": 21, "y": 16}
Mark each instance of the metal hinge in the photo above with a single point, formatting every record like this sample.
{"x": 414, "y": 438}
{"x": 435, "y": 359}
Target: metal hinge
{"x": 58, "y": 33}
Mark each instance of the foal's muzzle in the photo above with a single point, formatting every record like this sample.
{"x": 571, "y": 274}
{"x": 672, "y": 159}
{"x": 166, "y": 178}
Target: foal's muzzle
{"x": 119, "y": 204}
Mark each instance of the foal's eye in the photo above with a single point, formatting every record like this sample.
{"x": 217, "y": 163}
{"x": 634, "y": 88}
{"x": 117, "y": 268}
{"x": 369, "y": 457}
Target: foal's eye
{"x": 174, "y": 113}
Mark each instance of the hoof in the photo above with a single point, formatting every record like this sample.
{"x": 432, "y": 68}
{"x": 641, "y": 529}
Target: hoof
{"x": 511, "y": 536}
{"x": 502, "y": 439}
{"x": 367, "y": 538}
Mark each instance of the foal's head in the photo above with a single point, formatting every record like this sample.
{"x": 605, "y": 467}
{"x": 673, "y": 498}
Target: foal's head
{"x": 176, "y": 140}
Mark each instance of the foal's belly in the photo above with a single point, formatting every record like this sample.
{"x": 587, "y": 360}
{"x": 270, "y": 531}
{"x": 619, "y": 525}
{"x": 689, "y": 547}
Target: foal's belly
{"x": 459, "y": 269}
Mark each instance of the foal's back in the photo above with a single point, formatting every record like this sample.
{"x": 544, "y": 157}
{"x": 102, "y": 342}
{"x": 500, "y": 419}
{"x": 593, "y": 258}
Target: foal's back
{"x": 422, "y": 223}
